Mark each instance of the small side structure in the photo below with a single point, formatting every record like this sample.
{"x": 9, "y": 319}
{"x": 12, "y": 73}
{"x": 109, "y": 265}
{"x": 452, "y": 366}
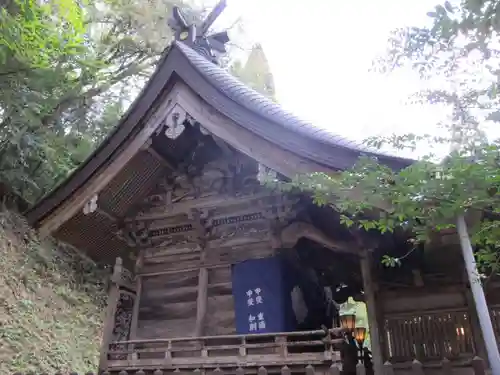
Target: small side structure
{"x": 174, "y": 193}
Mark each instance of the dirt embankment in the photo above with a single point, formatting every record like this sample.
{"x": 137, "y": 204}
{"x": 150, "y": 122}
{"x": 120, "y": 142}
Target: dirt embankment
{"x": 51, "y": 303}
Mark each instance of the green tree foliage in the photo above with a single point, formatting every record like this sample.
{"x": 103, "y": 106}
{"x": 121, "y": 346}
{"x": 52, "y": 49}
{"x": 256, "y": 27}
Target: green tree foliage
{"x": 68, "y": 70}
{"x": 456, "y": 56}
{"x": 20, "y": 44}
{"x": 255, "y": 72}
{"x": 38, "y": 48}
{"x": 471, "y": 24}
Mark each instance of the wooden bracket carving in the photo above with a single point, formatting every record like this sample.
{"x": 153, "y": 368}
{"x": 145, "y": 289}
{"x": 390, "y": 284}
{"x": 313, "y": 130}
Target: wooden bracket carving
{"x": 290, "y": 235}
{"x": 175, "y": 122}
{"x": 91, "y": 205}
{"x": 134, "y": 234}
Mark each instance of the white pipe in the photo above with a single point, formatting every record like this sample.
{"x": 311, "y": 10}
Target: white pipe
{"x": 479, "y": 298}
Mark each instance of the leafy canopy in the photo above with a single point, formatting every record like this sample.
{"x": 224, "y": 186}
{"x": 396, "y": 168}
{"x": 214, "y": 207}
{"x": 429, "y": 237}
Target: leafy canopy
{"x": 459, "y": 45}
{"x": 68, "y": 70}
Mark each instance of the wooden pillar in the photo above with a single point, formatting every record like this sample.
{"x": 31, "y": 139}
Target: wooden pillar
{"x": 202, "y": 299}
{"x": 137, "y": 301}
{"x": 201, "y": 302}
{"x": 109, "y": 320}
{"x": 371, "y": 309}
{"x": 379, "y": 306}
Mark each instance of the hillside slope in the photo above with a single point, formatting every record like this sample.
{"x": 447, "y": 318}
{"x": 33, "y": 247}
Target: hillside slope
{"x": 51, "y": 303}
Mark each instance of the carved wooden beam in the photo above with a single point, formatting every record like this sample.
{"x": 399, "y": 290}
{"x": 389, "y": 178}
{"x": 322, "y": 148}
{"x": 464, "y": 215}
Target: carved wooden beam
{"x": 179, "y": 208}
{"x": 290, "y": 235}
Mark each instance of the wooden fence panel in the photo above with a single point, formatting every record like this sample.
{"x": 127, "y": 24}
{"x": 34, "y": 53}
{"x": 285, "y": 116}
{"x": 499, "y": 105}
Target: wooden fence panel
{"x": 433, "y": 335}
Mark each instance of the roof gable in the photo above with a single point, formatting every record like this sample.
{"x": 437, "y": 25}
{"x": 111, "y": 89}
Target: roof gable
{"x": 229, "y": 97}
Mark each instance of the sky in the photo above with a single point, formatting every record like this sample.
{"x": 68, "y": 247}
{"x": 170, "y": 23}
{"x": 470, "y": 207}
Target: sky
{"x": 320, "y": 53}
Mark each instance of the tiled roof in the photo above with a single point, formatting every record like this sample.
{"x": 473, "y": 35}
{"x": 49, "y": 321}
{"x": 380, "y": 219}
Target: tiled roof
{"x": 257, "y": 103}
{"x": 228, "y": 95}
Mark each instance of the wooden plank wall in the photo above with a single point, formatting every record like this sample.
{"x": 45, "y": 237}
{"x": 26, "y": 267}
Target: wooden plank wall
{"x": 168, "y": 305}
{"x": 220, "y": 305}
{"x": 170, "y": 277}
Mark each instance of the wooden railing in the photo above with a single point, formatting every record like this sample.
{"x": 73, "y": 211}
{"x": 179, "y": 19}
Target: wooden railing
{"x": 445, "y": 367}
{"x": 477, "y": 367}
{"x": 285, "y": 370}
{"x": 229, "y": 351}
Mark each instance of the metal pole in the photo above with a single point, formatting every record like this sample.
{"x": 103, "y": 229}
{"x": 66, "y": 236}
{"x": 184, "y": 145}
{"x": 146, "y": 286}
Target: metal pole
{"x": 479, "y": 298}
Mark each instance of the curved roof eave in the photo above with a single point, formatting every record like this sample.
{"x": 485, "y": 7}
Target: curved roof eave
{"x": 269, "y": 120}
{"x": 129, "y": 123}
{"x": 234, "y": 100}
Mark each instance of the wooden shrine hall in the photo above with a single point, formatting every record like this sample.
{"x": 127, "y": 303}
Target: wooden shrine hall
{"x": 214, "y": 271}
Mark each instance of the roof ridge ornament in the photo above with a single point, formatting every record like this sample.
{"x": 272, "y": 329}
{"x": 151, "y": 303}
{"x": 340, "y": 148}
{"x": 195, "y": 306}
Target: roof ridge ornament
{"x": 210, "y": 46}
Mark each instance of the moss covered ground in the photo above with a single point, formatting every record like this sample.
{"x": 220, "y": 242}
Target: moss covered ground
{"x": 51, "y": 303}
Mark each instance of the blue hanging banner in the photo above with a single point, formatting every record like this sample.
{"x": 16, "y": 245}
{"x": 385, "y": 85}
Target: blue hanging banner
{"x": 262, "y": 301}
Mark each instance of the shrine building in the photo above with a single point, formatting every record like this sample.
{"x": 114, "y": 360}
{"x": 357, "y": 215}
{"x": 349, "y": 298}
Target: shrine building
{"x": 215, "y": 271}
